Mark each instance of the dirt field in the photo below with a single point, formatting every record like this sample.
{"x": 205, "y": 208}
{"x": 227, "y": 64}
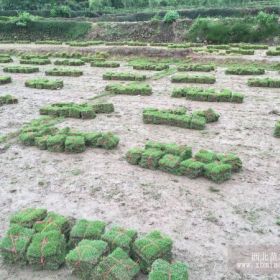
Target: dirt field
{"x": 100, "y": 184}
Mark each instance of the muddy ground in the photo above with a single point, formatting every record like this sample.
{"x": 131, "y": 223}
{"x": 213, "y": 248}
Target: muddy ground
{"x": 100, "y": 184}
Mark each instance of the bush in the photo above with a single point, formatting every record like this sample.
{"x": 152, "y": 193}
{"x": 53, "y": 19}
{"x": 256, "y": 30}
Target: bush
{"x": 200, "y": 79}
{"x": 123, "y": 76}
{"x": 151, "y": 247}
{"x": 14, "y": 245}
{"x": 83, "y": 229}
{"x": 5, "y": 80}
{"x": 265, "y": 82}
{"x": 245, "y": 70}
{"x": 35, "y": 61}
{"x": 130, "y": 89}
{"x": 44, "y": 84}
{"x": 108, "y": 64}
{"x": 20, "y": 69}
{"x": 28, "y": 217}
{"x": 64, "y": 72}
{"x": 85, "y": 257}
{"x": 8, "y": 99}
{"x": 230, "y": 30}
{"x": 196, "y": 67}
{"x": 44, "y": 29}
{"x": 47, "y": 250}
{"x": 277, "y": 129}
{"x": 117, "y": 266}
{"x": 72, "y": 62}
{"x": 163, "y": 270}
{"x": 211, "y": 95}
{"x": 171, "y": 16}
{"x": 120, "y": 237}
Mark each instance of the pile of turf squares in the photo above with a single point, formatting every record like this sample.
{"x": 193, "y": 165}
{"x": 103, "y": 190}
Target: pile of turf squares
{"x": 79, "y": 111}
{"x": 47, "y": 240}
{"x": 180, "y": 118}
{"x": 277, "y": 129}
{"x": 8, "y": 99}
{"x": 178, "y": 160}
{"x": 43, "y": 134}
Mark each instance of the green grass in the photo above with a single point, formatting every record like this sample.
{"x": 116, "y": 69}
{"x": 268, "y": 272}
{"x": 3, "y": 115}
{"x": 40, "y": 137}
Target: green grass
{"x": 130, "y": 89}
{"x": 186, "y": 78}
{"x": 265, "y": 82}
{"x": 20, "y": 69}
{"x": 40, "y": 83}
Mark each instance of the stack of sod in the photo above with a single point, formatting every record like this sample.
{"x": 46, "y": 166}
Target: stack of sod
{"x": 151, "y": 66}
{"x": 115, "y": 43}
{"x": 211, "y": 95}
{"x": 28, "y": 217}
{"x": 162, "y": 270}
{"x": 123, "y": 76}
{"x": 64, "y": 72}
{"x": 44, "y": 84}
{"x": 106, "y": 64}
{"x": 277, "y": 129}
{"x": 71, "y": 62}
{"x": 83, "y": 229}
{"x": 85, "y": 43}
{"x": 5, "y": 59}
{"x": 103, "y": 108}
{"x": 36, "y": 61}
{"x": 196, "y": 67}
{"x": 85, "y": 257}
{"x": 7, "y": 99}
{"x": 47, "y": 250}
{"x": 219, "y": 47}
{"x": 120, "y": 237}
{"x": 67, "y": 55}
{"x": 92, "y": 59}
{"x": 151, "y": 247}
{"x": 249, "y": 46}
{"x": 265, "y": 82}
{"x": 245, "y": 71}
{"x": 130, "y": 89}
{"x": 177, "y": 160}
{"x": 135, "y": 43}
{"x": 48, "y": 42}
{"x": 45, "y": 136}
{"x": 199, "y": 79}
{"x": 273, "y": 52}
{"x": 20, "y": 69}
{"x": 196, "y": 120}
{"x": 14, "y": 245}
{"x": 69, "y": 110}
{"x": 117, "y": 266}
{"x": 240, "y": 51}
{"x": 53, "y": 222}
{"x": 5, "y": 80}
{"x": 34, "y": 56}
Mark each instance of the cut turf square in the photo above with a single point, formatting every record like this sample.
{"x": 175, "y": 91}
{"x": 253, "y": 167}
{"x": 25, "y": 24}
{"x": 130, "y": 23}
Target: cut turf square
{"x": 84, "y": 258}
{"x": 117, "y": 266}
{"x": 170, "y": 163}
{"x": 151, "y": 247}
{"x": 28, "y": 217}
{"x": 191, "y": 168}
{"x": 47, "y": 250}
{"x": 217, "y": 172}
{"x": 150, "y": 158}
{"x": 14, "y": 245}
{"x": 75, "y": 144}
{"x": 120, "y": 237}
{"x": 53, "y": 222}
{"x": 84, "y": 229}
{"x": 162, "y": 270}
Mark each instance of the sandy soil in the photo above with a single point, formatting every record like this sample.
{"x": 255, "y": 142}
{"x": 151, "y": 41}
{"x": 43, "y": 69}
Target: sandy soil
{"x": 100, "y": 184}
